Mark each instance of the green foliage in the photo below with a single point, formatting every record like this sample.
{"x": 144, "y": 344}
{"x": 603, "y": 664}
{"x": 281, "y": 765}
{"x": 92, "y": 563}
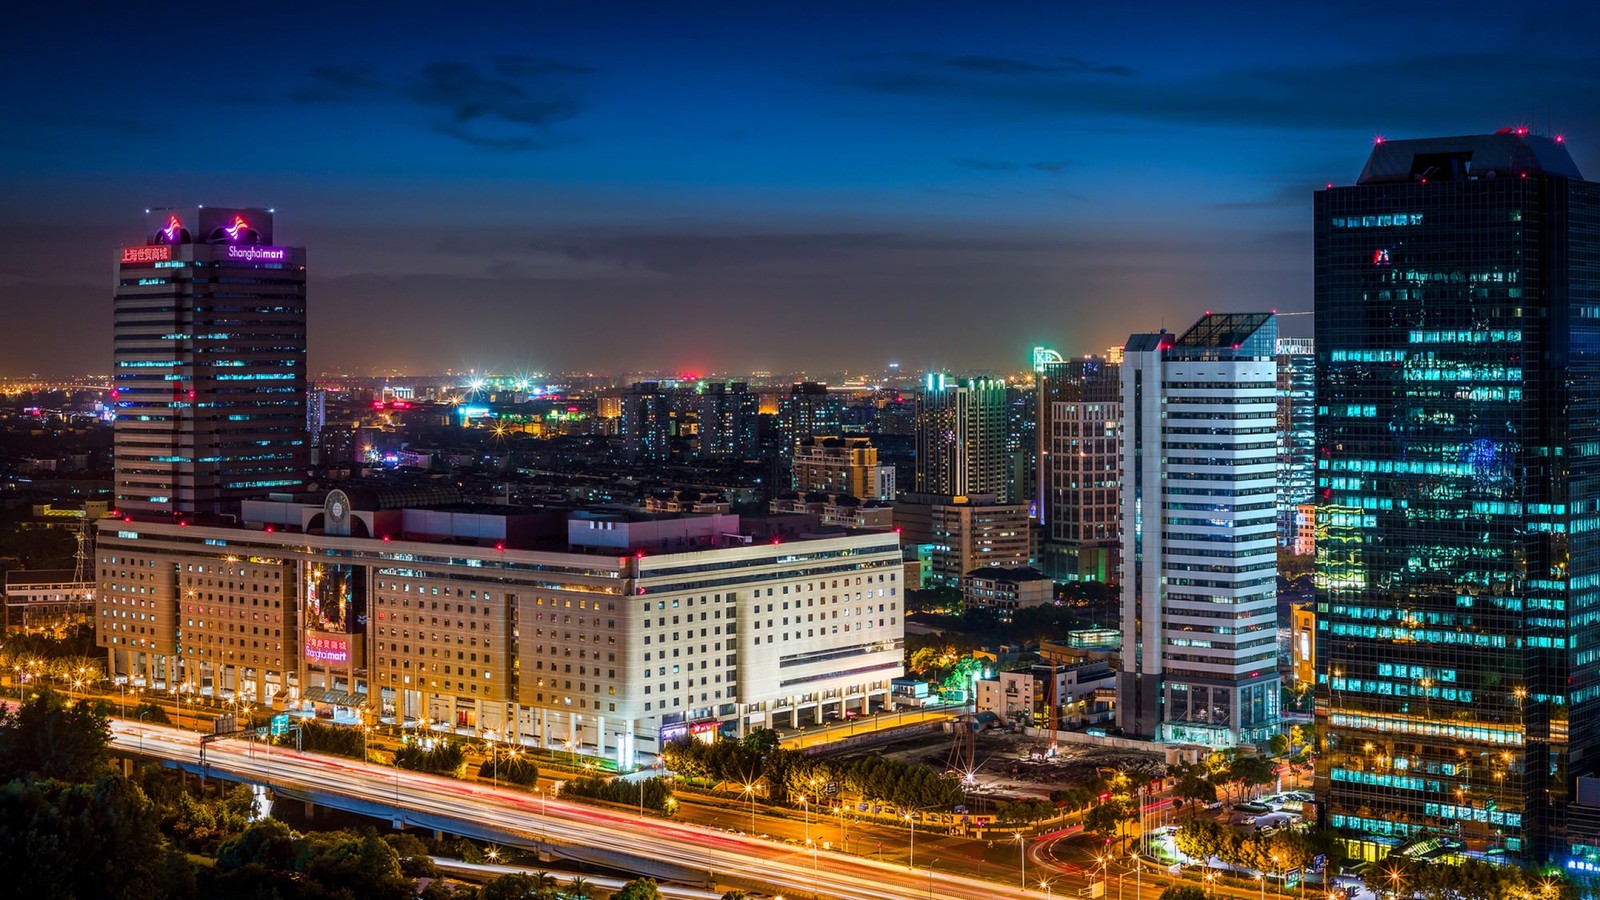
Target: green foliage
{"x": 320, "y": 738}
{"x": 516, "y": 886}
{"x": 415, "y": 861}
{"x": 1074, "y": 798}
{"x": 578, "y": 889}
{"x": 515, "y": 768}
{"x": 1252, "y": 771}
{"x": 444, "y": 757}
{"x": 761, "y": 741}
{"x": 1106, "y": 817}
{"x": 1277, "y": 853}
{"x": 83, "y": 840}
{"x": 48, "y": 737}
{"x": 735, "y": 894}
{"x": 639, "y": 889}
{"x": 1183, "y": 892}
{"x": 1191, "y": 784}
{"x": 658, "y": 794}
{"x": 270, "y": 860}
{"x": 152, "y": 713}
{"x": 200, "y": 825}
{"x": 721, "y": 760}
{"x": 908, "y": 785}
{"x": 1025, "y": 812}
{"x": 1278, "y": 746}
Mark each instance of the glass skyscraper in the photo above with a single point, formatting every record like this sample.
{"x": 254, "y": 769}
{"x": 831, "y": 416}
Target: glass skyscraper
{"x": 1297, "y": 391}
{"x": 210, "y": 369}
{"x": 1458, "y": 474}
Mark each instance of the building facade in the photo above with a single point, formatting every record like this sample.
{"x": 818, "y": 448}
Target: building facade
{"x": 841, "y": 465}
{"x": 959, "y": 534}
{"x": 961, "y": 437}
{"x": 648, "y": 422}
{"x": 1297, "y": 439}
{"x": 209, "y": 337}
{"x": 1458, "y": 558}
{"x": 728, "y": 421}
{"x": 1078, "y": 509}
{"x": 638, "y": 628}
{"x": 1199, "y": 550}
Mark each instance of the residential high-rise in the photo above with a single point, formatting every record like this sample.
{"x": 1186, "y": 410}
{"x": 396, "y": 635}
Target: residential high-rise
{"x": 959, "y": 534}
{"x": 961, "y": 437}
{"x": 648, "y": 422}
{"x": 841, "y": 465}
{"x": 809, "y": 410}
{"x": 1077, "y": 507}
{"x": 1458, "y": 481}
{"x": 1199, "y": 549}
{"x": 209, "y": 336}
{"x": 1297, "y": 398}
{"x": 728, "y": 418}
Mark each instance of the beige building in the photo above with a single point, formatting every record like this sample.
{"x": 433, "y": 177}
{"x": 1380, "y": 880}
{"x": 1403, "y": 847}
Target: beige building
{"x": 964, "y": 533}
{"x": 605, "y": 632}
{"x": 841, "y": 465}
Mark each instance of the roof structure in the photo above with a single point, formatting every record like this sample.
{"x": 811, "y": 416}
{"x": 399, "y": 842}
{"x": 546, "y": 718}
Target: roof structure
{"x": 1508, "y": 153}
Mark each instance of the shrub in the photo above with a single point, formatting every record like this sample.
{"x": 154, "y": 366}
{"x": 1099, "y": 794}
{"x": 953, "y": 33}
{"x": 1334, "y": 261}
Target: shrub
{"x": 657, "y": 795}
{"x": 443, "y": 758}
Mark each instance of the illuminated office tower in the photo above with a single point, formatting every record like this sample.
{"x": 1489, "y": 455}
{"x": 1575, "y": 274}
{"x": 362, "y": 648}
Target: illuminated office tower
{"x": 209, "y": 335}
{"x": 648, "y": 423}
{"x": 1297, "y": 393}
{"x": 961, "y": 437}
{"x": 1199, "y": 548}
{"x": 1079, "y": 407}
{"x": 1458, "y": 473}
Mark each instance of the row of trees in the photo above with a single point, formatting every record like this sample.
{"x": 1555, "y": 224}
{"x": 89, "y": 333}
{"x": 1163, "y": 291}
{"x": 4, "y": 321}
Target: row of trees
{"x": 1468, "y": 880}
{"x": 440, "y": 757}
{"x": 1276, "y": 853}
{"x": 656, "y": 793}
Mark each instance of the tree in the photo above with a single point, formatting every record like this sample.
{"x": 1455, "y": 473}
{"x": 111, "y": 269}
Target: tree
{"x": 415, "y": 861}
{"x": 85, "y": 840}
{"x": 761, "y": 741}
{"x": 1192, "y": 785}
{"x": 1252, "y": 771}
{"x": 579, "y": 889}
{"x": 1183, "y": 892}
{"x": 735, "y": 894}
{"x": 49, "y": 738}
{"x": 513, "y": 886}
{"x": 1104, "y": 820}
{"x": 639, "y": 889}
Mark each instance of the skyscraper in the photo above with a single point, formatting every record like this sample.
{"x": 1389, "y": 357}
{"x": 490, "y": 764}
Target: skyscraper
{"x": 1199, "y": 549}
{"x": 209, "y": 335}
{"x": 1297, "y": 394}
{"x": 809, "y": 410}
{"x": 1458, "y": 477}
{"x": 961, "y": 437}
{"x": 1079, "y": 409}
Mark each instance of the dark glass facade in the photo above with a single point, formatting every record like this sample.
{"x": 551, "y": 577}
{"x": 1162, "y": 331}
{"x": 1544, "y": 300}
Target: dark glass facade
{"x": 210, "y": 353}
{"x": 1457, "y": 474}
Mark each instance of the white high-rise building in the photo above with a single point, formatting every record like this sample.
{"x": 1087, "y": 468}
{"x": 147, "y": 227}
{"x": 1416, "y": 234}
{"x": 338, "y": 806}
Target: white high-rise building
{"x": 1199, "y": 549}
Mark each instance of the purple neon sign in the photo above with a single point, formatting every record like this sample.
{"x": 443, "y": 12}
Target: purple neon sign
{"x": 257, "y": 254}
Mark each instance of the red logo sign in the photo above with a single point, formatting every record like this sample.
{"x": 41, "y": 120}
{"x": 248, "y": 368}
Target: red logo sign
{"x": 155, "y": 253}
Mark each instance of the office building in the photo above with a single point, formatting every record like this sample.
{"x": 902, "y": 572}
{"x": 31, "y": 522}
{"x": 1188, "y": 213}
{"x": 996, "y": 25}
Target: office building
{"x": 728, "y": 421}
{"x": 1297, "y": 398}
{"x": 959, "y": 534}
{"x": 1199, "y": 550}
{"x": 1079, "y": 404}
{"x": 1458, "y": 433}
{"x": 961, "y": 437}
{"x": 584, "y": 630}
{"x": 209, "y": 336}
{"x": 1006, "y": 590}
{"x": 841, "y": 465}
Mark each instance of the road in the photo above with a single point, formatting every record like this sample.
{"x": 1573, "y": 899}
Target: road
{"x": 789, "y": 869}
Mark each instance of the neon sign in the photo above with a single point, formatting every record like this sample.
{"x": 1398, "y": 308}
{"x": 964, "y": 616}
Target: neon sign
{"x": 1380, "y": 257}
{"x": 239, "y": 227}
{"x": 322, "y": 648}
{"x": 173, "y": 228}
{"x": 156, "y": 253}
{"x": 256, "y": 254}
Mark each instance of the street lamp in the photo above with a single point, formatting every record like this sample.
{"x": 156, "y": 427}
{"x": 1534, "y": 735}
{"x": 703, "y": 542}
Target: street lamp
{"x": 750, "y": 791}
{"x": 930, "y": 878}
{"x": 911, "y": 855}
{"x": 1022, "y": 860}
{"x": 544, "y": 814}
{"x": 1046, "y": 886}
{"x": 141, "y": 731}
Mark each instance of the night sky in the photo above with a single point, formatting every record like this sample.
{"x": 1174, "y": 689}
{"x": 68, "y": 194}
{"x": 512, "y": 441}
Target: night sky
{"x": 752, "y": 186}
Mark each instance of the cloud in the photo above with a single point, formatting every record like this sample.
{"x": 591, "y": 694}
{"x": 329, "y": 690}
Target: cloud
{"x": 510, "y": 103}
{"x": 1358, "y": 94}
{"x": 1000, "y": 165}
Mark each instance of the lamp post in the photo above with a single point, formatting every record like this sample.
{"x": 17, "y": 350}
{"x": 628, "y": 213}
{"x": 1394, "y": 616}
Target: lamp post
{"x": 911, "y": 854}
{"x": 750, "y": 791}
{"x": 930, "y": 878}
{"x": 1022, "y": 860}
{"x": 805, "y": 802}
{"x": 141, "y": 731}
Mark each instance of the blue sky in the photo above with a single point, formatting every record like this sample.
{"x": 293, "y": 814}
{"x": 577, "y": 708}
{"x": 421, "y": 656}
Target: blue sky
{"x": 741, "y": 186}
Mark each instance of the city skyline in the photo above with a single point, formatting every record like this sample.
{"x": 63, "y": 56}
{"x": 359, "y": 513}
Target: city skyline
{"x": 481, "y": 199}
